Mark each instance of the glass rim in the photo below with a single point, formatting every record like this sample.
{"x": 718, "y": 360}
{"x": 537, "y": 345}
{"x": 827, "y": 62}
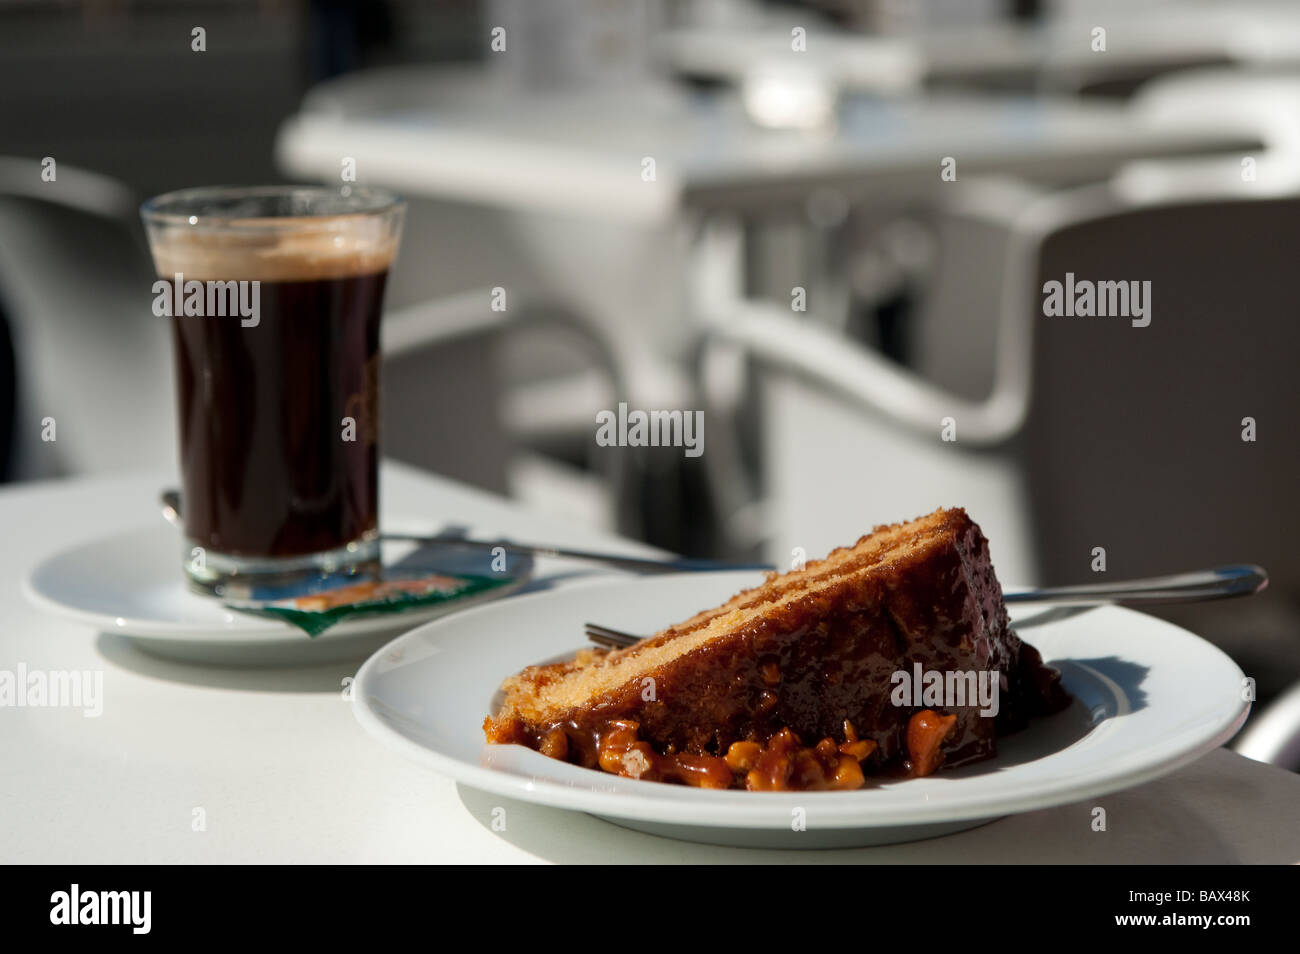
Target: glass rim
{"x": 169, "y": 208}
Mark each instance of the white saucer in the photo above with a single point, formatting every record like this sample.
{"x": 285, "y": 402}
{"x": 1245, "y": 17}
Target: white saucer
{"x": 132, "y": 584}
{"x": 1149, "y": 697}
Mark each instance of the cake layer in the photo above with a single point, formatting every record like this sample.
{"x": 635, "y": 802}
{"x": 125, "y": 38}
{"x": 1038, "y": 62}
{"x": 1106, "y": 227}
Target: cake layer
{"x": 868, "y": 551}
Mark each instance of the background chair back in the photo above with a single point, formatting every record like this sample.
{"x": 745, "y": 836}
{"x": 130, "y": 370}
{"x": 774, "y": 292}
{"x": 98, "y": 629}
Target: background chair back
{"x": 1134, "y": 437}
{"x": 75, "y": 282}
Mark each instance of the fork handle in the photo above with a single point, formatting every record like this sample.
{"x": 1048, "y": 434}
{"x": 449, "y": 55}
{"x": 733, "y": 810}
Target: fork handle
{"x": 1241, "y": 579}
{"x": 644, "y": 564}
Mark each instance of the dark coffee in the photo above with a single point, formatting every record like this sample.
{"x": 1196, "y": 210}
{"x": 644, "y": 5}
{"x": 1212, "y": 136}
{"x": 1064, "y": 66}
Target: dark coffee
{"x": 270, "y": 466}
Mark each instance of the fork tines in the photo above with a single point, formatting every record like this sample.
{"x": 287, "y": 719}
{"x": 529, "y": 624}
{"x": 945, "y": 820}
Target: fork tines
{"x": 613, "y": 638}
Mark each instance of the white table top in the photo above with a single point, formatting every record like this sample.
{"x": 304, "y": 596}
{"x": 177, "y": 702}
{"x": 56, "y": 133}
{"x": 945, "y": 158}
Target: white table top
{"x": 465, "y": 135}
{"x": 1256, "y": 33}
{"x": 284, "y": 772}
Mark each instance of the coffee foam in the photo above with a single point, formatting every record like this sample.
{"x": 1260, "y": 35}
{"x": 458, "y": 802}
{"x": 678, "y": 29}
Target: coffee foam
{"x": 250, "y": 256}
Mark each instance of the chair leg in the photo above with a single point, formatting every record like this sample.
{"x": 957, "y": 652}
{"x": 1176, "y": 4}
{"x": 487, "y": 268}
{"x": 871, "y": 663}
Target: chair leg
{"x": 1273, "y": 736}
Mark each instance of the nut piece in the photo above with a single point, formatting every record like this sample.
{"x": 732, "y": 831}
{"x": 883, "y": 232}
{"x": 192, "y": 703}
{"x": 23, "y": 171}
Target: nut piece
{"x": 926, "y": 732}
{"x": 555, "y": 744}
{"x": 614, "y": 742}
{"x": 775, "y": 766}
{"x": 635, "y": 763}
{"x": 703, "y": 771}
{"x": 848, "y": 774}
{"x": 742, "y": 756}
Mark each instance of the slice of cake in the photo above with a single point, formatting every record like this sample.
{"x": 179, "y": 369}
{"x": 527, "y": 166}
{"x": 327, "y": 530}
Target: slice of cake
{"x": 890, "y": 656}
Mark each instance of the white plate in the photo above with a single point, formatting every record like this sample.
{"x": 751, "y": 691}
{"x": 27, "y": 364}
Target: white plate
{"x": 132, "y": 584}
{"x": 1149, "y": 698}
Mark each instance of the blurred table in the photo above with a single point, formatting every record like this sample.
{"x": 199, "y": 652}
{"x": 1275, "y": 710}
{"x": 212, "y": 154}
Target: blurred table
{"x": 285, "y": 773}
{"x": 626, "y": 247}
{"x": 464, "y": 134}
{"x": 1141, "y": 42}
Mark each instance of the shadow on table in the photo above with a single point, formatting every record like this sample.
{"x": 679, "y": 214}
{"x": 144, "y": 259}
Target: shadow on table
{"x": 318, "y": 677}
{"x": 1153, "y": 824}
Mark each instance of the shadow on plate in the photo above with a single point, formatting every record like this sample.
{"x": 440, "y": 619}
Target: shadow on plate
{"x": 1102, "y": 688}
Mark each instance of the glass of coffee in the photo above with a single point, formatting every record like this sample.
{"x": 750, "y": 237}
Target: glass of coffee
{"x": 274, "y": 297}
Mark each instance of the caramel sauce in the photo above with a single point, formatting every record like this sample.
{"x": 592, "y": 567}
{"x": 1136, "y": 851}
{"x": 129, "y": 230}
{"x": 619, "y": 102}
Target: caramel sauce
{"x": 780, "y": 763}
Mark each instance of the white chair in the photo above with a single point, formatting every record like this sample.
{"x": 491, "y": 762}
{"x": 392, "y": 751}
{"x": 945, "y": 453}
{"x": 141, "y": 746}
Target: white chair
{"x": 92, "y": 362}
{"x": 1257, "y": 104}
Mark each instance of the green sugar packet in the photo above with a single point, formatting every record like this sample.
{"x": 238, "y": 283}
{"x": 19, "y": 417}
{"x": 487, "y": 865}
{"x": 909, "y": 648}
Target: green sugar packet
{"x": 317, "y": 611}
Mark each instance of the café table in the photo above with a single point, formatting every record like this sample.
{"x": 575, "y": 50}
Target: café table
{"x": 603, "y": 187}
{"x": 283, "y": 772}
{"x": 468, "y": 135}
{"x": 1056, "y": 54}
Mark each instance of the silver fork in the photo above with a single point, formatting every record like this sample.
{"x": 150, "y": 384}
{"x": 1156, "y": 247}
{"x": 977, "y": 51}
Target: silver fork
{"x": 1216, "y": 584}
